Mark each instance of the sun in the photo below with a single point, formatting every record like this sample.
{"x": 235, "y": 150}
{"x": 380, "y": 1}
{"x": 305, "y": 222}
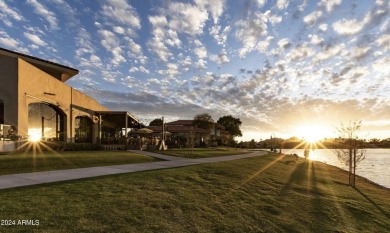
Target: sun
{"x": 34, "y": 135}
{"x": 311, "y": 133}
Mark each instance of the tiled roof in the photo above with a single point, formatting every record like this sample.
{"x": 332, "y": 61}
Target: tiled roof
{"x": 178, "y": 129}
{"x": 181, "y": 122}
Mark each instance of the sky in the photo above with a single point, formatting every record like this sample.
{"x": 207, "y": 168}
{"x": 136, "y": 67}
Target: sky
{"x": 284, "y": 67}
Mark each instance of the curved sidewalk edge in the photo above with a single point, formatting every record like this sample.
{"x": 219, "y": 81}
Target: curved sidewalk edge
{"x": 27, "y": 179}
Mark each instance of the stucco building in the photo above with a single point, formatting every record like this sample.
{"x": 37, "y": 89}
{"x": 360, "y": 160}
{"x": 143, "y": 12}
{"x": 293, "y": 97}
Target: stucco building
{"x": 35, "y": 100}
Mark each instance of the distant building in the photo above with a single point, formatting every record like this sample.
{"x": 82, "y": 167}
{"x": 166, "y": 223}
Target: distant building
{"x": 34, "y": 100}
{"x": 216, "y": 136}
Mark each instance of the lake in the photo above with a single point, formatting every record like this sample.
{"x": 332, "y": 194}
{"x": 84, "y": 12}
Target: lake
{"x": 375, "y": 167}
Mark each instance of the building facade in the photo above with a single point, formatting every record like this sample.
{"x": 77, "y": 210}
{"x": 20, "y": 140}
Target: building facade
{"x": 35, "y": 101}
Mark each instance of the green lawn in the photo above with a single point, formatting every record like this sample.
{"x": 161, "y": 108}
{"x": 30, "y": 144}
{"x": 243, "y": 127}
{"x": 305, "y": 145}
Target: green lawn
{"x": 45, "y": 160}
{"x": 198, "y": 153}
{"x": 260, "y": 194}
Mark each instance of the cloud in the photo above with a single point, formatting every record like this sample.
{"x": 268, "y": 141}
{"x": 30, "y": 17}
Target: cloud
{"x": 284, "y": 43}
{"x": 312, "y": 18}
{"x": 111, "y": 43}
{"x": 9, "y": 42}
{"x": 215, "y": 7}
{"x": 35, "y": 39}
{"x": 7, "y": 11}
{"x": 220, "y": 35}
{"x": 347, "y": 27}
{"x": 282, "y": 4}
{"x": 121, "y": 12}
{"x": 44, "y": 13}
{"x": 220, "y": 58}
{"x": 330, "y": 5}
{"x": 187, "y": 18}
{"x": 383, "y": 42}
{"x": 158, "y": 47}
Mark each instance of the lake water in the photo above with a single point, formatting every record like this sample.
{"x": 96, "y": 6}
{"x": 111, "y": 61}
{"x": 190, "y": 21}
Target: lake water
{"x": 375, "y": 167}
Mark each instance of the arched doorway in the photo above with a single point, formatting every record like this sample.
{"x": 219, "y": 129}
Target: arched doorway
{"x": 46, "y": 121}
{"x": 83, "y": 129}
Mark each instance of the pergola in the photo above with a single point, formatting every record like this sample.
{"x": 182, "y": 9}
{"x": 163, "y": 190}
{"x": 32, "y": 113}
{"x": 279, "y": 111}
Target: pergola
{"x": 116, "y": 119}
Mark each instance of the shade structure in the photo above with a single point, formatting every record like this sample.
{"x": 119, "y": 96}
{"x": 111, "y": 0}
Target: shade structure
{"x": 142, "y": 131}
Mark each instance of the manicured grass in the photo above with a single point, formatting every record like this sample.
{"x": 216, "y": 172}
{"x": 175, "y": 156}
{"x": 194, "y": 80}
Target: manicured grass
{"x": 260, "y": 194}
{"x": 46, "y": 161}
{"x": 202, "y": 152}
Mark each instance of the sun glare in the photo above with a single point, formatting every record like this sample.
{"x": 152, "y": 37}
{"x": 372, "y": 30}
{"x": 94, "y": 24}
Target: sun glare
{"x": 311, "y": 133}
{"x": 34, "y": 135}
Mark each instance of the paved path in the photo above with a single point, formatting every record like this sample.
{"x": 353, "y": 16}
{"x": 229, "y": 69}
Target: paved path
{"x": 26, "y": 179}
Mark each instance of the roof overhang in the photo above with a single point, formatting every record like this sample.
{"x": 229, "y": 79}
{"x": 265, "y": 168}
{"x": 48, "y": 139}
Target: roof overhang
{"x": 61, "y": 72}
{"x": 120, "y": 119}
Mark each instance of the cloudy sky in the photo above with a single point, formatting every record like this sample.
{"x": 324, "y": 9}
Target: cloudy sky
{"x": 281, "y": 66}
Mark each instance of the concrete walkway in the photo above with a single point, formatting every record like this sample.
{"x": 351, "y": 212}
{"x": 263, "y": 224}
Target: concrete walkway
{"x": 27, "y": 179}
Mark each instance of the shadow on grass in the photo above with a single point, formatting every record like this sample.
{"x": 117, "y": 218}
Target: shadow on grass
{"x": 387, "y": 215}
{"x": 303, "y": 180}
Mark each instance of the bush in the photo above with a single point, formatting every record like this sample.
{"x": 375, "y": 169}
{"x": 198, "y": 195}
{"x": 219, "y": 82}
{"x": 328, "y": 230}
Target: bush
{"x": 70, "y": 146}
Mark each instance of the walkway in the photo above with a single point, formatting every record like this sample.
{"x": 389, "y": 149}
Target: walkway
{"x": 27, "y": 179}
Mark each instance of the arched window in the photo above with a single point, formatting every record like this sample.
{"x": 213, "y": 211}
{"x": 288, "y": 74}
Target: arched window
{"x": 1, "y": 112}
{"x": 46, "y": 121}
{"x": 83, "y": 129}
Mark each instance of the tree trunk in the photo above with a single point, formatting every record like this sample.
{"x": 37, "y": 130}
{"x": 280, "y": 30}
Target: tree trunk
{"x": 354, "y": 167}
{"x": 350, "y": 166}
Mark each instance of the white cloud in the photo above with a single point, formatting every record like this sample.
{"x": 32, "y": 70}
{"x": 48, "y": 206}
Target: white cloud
{"x": 121, "y": 12}
{"x": 250, "y": 31}
{"x": 129, "y": 81}
{"x": 218, "y": 35}
{"x": 173, "y": 39}
{"x": 347, "y": 27}
{"x": 109, "y": 40}
{"x": 35, "y": 39}
{"x": 111, "y": 43}
{"x": 315, "y": 39}
{"x": 330, "y": 4}
{"x": 284, "y": 43}
{"x": 187, "y": 18}
{"x": 329, "y": 52}
{"x": 44, "y": 12}
{"x": 156, "y": 46}
{"x": 119, "y": 30}
{"x": 312, "y": 18}
{"x": 262, "y": 46}
{"x": 299, "y": 53}
{"x": 7, "y": 41}
{"x": 220, "y": 58}
{"x": 134, "y": 47}
{"x": 8, "y": 11}
{"x": 383, "y": 41}
{"x": 144, "y": 70}
{"x": 172, "y": 70}
{"x": 215, "y": 7}
{"x": 351, "y": 26}
{"x": 323, "y": 27}
{"x": 201, "y": 52}
{"x": 158, "y": 21}
{"x": 282, "y": 4}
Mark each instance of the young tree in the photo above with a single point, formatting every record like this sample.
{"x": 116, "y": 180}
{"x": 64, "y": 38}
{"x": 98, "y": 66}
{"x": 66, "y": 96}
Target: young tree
{"x": 349, "y": 151}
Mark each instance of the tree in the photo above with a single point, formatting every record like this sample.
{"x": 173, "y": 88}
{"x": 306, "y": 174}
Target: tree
{"x": 156, "y": 122}
{"x": 231, "y": 124}
{"x": 204, "y": 121}
{"x": 349, "y": 151}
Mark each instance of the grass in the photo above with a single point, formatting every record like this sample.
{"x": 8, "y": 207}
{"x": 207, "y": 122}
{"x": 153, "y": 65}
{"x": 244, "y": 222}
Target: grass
{"x": 46, "y": 161}
{"x": 260, "y": 194}
{"x": 198, "y": 153}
